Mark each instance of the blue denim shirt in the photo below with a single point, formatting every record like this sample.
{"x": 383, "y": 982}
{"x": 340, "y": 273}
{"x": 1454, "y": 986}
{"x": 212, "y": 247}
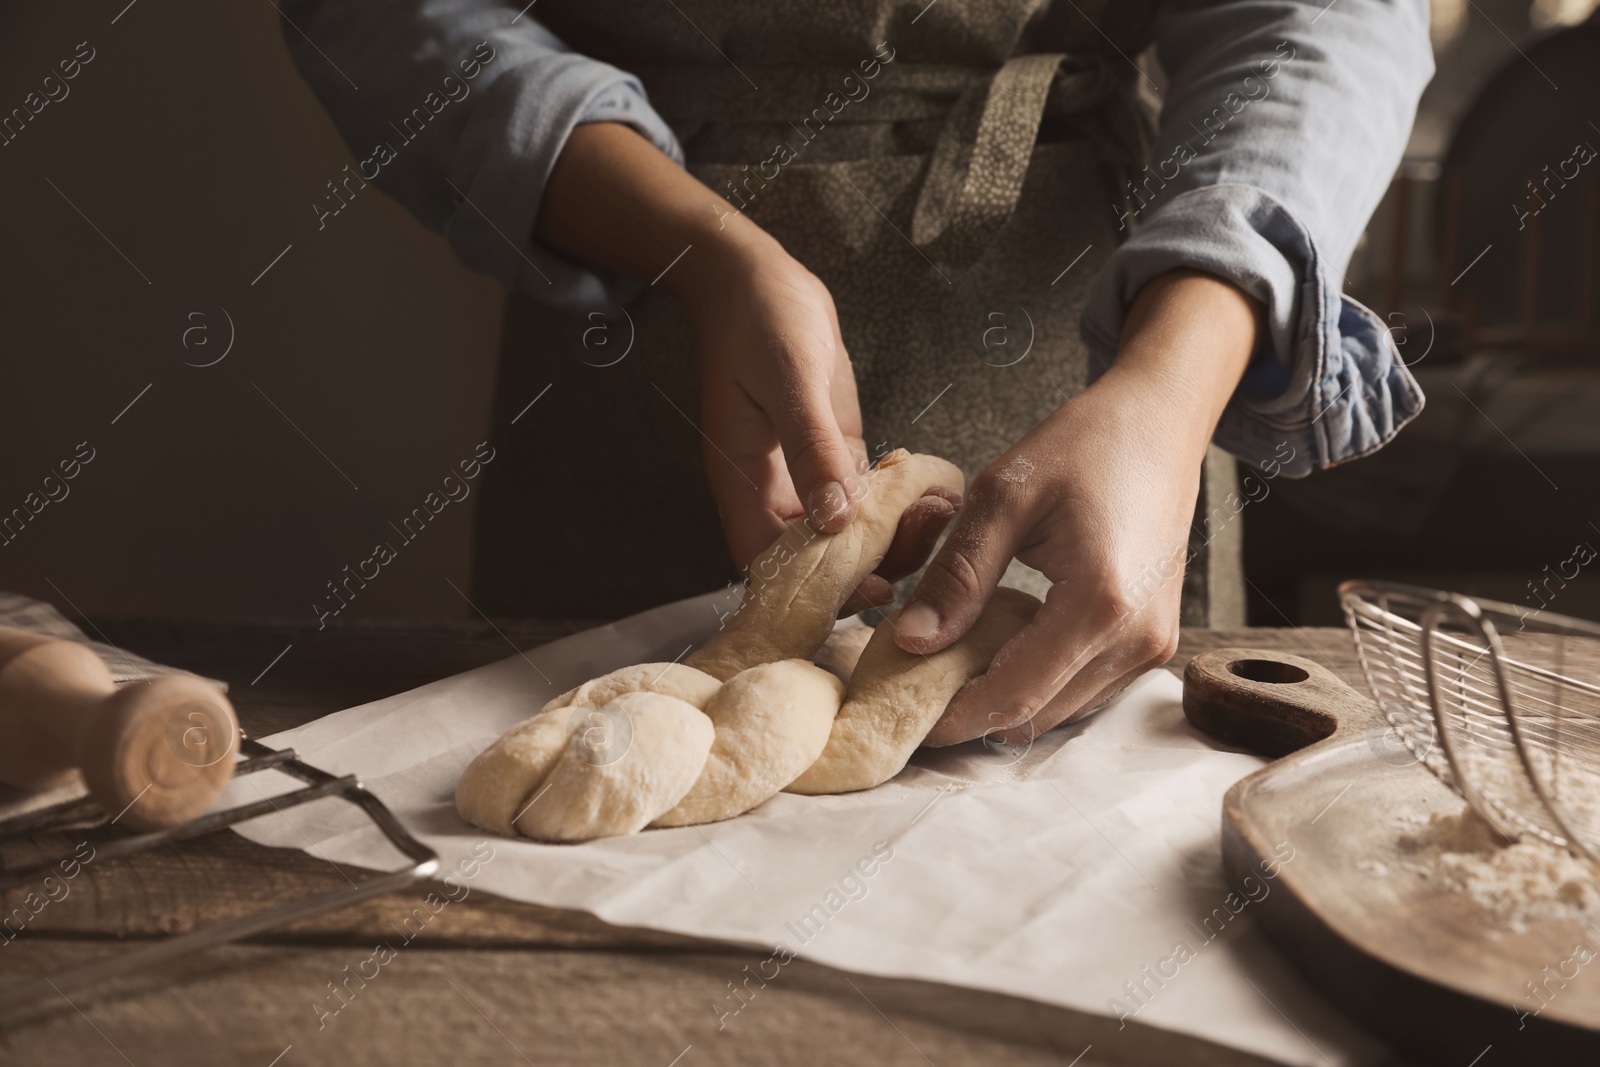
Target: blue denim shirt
{"x": 1302, "y": 111}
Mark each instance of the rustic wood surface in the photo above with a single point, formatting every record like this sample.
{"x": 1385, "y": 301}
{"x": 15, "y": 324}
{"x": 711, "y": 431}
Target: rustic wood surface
{"x": 489, "y": 980}
{"x": 1398, "y": 947}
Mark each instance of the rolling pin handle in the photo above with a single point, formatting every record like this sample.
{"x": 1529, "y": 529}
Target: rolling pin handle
{"x": 160, "y": 750}
{"x": 154, "y": 753}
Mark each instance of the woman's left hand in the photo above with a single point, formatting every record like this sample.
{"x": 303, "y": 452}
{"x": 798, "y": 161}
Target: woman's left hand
{"x": 1099, "y": 497}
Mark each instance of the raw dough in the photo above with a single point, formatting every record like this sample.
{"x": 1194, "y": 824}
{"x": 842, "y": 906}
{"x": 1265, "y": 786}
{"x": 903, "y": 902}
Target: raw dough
{"x": 669, "y": 679}
{"x": 496, "y": 784}
{"x": 500, "y": 781}
{"x": 840, "y": 652}
{"x": 748, "y": 714}
{"x": 896, "y": 696}
{"x": 797, "y": 586}
{"x": 772, "y": 722}
{"x": 623, "y": 765}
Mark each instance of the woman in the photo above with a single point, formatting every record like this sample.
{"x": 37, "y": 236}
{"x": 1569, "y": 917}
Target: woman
{"x": 901, "y": 224}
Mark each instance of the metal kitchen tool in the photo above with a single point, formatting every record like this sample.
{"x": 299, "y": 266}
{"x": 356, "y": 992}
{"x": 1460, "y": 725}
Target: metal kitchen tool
{"x": 1508, "y": 722}
{"x": 85, "y": 813}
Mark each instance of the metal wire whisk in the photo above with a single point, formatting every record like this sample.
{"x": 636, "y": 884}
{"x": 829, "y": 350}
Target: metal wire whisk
{"x": 1482, "y": 695}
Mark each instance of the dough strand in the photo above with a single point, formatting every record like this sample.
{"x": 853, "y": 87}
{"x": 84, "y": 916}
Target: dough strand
{"x": 797, "y": 586}
{"x": 896, "y": 696}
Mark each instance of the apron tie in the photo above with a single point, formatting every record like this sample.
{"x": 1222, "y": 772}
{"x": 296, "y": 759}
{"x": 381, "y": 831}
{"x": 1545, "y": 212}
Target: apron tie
{"x": 978, "y": 165}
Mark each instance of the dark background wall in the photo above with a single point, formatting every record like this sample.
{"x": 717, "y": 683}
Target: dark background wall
{"x": 360, "y": 371}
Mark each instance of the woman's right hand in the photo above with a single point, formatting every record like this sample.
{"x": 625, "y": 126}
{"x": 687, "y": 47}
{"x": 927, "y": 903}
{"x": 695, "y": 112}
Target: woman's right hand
{"x": 779, "y": 421}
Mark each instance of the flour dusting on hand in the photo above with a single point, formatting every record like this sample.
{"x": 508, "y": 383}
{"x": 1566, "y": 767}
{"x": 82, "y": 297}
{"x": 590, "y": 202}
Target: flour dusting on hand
{"x": 1016, "y": 471}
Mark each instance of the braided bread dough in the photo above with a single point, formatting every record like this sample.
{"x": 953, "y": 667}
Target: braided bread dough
{"x": 842, "y": 650}
{"x": 623, "y": 766}
{"x": 748, "y": 714}
{"x": 797, "y": 586}
{"x": 496, "y": 785}
{"x": 669, "y": 679}
{"x": 772, "y": 722}
{"x": 896, "y": 696}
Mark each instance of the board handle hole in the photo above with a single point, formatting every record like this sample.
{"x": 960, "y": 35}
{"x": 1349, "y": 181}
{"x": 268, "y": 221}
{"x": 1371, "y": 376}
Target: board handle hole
{"x": 1270, "y": 671}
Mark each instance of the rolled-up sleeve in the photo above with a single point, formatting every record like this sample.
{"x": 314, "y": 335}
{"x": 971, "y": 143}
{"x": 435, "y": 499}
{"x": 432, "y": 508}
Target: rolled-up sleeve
{"x": 1282, "y": 127}
{"x": 461, "y": 107}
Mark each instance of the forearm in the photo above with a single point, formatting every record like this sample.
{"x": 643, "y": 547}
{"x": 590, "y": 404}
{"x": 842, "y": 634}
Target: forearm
{"x": 1185, "y": 344}
{"x": 616, "y": 200}
{"x": 1281, "y": 128}
{"x": 778, "y": 404}
{"x": 463, "y": 109}
{"x": 1310, "y": 104}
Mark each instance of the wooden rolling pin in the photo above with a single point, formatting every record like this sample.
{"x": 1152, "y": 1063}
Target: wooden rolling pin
{"x": 153, "y": 754}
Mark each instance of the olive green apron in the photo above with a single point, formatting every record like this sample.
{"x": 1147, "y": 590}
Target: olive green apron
{"x": 947, "y": 170}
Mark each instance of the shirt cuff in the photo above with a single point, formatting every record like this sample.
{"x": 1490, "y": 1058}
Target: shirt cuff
{"x": 533, "y": 113}
{"x": 1325, "y": 385}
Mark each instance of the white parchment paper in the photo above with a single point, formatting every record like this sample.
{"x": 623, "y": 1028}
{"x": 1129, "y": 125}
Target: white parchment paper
{"x": 1059, "y": 873}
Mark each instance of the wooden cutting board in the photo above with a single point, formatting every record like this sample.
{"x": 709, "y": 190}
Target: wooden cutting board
{"x": 1417, "y": 961}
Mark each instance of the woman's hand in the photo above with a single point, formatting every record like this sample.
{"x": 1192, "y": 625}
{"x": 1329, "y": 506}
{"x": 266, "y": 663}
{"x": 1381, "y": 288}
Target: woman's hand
{"x": 780, "y": 424}
{"x": 1099, "y": 497}
{"x": 778, "y": 409}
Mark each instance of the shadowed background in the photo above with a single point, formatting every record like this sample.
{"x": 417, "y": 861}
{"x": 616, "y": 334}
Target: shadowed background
{"x": 192, "y": 143}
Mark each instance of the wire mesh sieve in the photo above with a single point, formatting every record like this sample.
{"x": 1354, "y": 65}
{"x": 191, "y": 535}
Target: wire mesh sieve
{"x": 1495, "y": 700}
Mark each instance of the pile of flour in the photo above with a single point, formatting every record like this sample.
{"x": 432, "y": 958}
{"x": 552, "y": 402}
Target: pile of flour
{"x": 1518, "y": 883}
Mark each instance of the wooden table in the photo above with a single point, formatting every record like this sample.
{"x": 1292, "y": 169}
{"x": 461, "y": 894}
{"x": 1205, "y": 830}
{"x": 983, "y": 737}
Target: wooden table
{"x": 489, "y": 981}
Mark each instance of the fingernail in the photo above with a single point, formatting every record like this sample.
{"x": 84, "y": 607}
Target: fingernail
{"x": 918, "y": 621}
{"x": 827, "y": 501}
